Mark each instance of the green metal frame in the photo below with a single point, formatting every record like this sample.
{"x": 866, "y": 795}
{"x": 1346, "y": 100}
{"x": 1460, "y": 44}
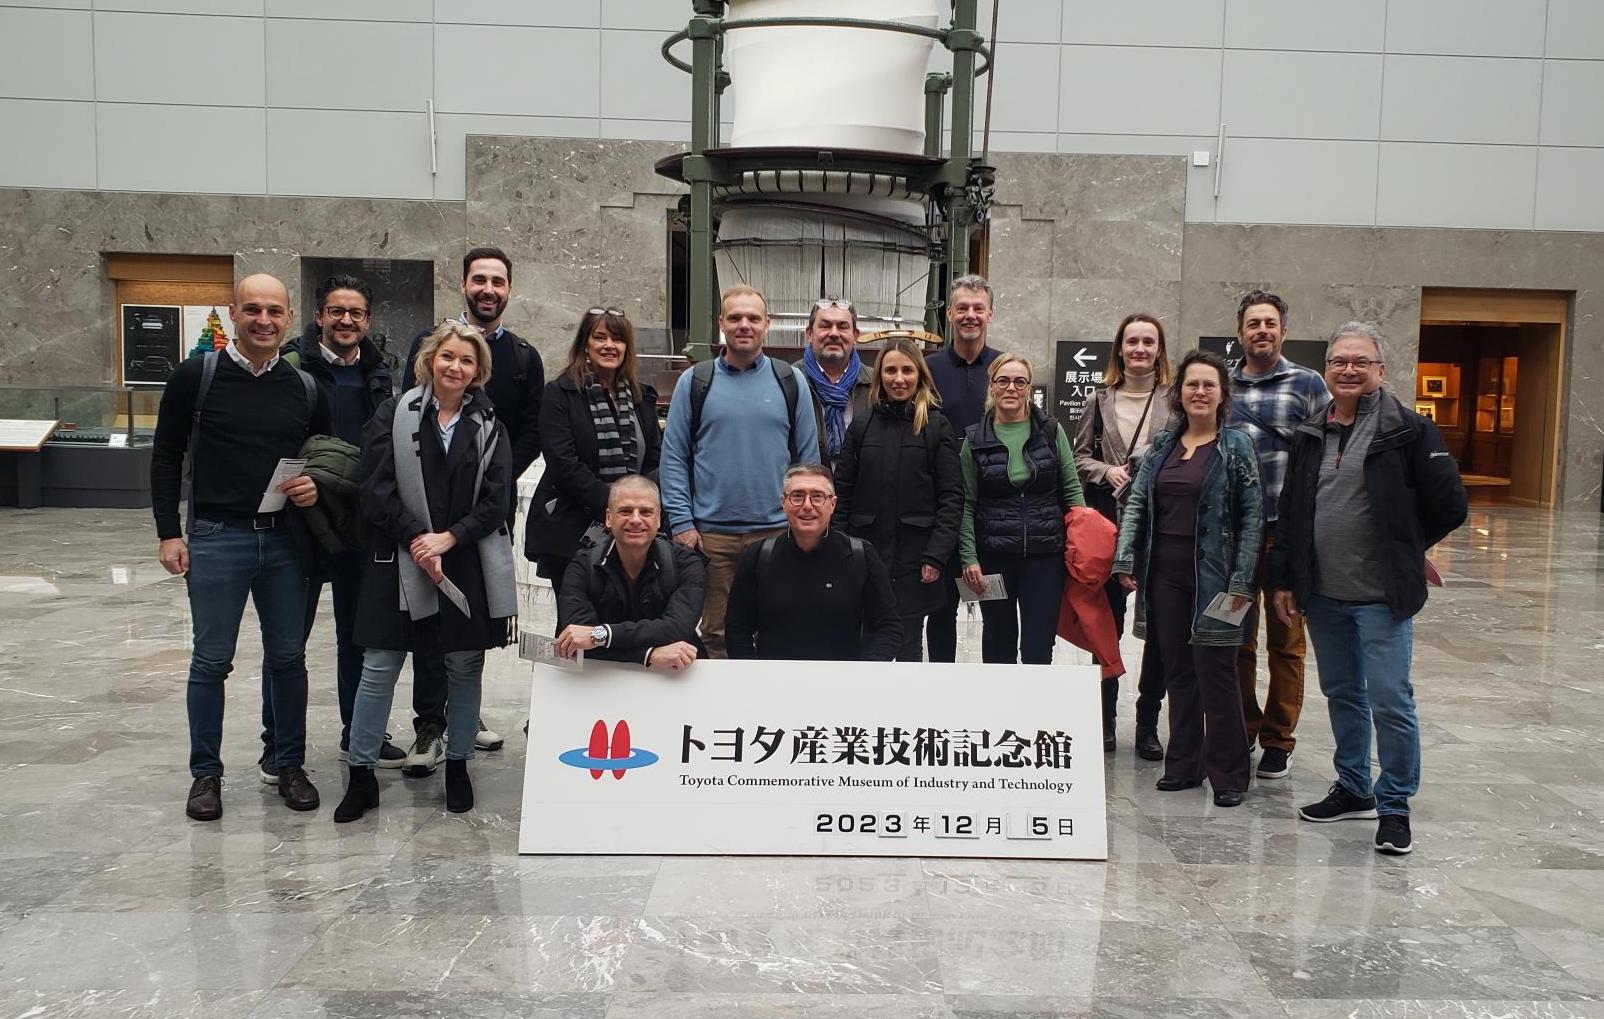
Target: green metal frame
{"x": 948, "y": 182}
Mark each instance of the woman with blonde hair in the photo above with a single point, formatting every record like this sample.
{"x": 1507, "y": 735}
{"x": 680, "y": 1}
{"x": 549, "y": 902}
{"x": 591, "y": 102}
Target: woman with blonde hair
{"x": 898, "y": 486}
{"x": 1019, "y": 481}
{"x": 439, "y": 578}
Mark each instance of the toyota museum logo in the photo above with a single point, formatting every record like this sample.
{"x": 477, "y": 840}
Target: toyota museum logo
{"x": 604, "y": 754}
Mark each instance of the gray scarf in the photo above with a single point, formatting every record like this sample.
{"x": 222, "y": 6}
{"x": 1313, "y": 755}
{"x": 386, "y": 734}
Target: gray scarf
{"x": 419, "y": 597}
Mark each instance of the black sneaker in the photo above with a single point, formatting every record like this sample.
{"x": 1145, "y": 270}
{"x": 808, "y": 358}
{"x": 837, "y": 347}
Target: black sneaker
{"x": 1340, "y": 805}
{"x": 1392, "y": 835}
{"x": 1275, "y": 763}
{"x": 205, "y": 801}
{"x": 267, "y": 768}
{"x": 390, "y": 755}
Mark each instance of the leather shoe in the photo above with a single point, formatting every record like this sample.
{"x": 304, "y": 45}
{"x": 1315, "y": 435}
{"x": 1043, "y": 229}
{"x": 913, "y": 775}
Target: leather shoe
{"x": 205, "y": 798}
{"x": 1173, "y": 785}
{"x": 1148, "y": 748}
{"x": 298, "y": 791}
{"x": 1227, "y": 798}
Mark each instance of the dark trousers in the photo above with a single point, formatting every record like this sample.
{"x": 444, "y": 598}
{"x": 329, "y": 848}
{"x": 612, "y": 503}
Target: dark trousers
{"x": 1207, "y": 734}
{"x": 1150, "y": 681}
{"x": 1022, "y": 626}
{"x": 912, "y": 649}
{"x": 346, "y": 584}
{"x": 941, "y": 626}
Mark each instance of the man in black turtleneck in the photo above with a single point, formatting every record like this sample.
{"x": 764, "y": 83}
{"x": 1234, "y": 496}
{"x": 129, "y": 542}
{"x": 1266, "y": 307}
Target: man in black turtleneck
{"x": 812, "y": 594}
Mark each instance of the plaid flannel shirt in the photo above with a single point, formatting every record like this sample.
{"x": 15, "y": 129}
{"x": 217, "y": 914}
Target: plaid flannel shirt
{"x": 1269, "y": 408}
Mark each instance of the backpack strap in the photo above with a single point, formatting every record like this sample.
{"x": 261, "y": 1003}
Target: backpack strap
{"x": 860, "y": 560}
{"x": 309, "y": 386}
{"x": 208, "y": 373}
{"x": 788, "y": 387}
{"x": 665, "y": 564}
{"x": 765, "y": 553}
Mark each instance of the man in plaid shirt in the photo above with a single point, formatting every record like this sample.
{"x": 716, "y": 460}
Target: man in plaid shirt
{"x": 1270, "y": 397}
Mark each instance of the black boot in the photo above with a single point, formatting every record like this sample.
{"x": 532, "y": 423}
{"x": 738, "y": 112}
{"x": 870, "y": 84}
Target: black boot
{"x": 1148, "y": 748}
{"x": 1110, "y": 699}
{"x": 459, "y": 790}
{"x": 361, "y": 795}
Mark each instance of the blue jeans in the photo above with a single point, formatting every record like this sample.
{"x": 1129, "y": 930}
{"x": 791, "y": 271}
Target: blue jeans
{"x": 227, "y": 563}
{"x": 1364, "y": 658}
{"x": 374, "y": 696}
{"x": 346, "y": 583}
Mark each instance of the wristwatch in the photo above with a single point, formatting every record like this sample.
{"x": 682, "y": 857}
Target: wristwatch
{"x": 599, "y": 634}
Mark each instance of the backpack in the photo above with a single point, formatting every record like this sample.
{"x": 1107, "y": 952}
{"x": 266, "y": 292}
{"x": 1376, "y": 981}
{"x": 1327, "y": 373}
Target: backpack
{"x": 208, "y": 372}
{"x": 702, "y": 380}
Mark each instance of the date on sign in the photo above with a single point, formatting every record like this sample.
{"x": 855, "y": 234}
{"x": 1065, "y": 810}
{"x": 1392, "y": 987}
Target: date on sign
{"x": 946, "y": 825}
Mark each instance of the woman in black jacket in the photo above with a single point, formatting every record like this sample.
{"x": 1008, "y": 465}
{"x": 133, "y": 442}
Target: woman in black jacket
{"x": 439, "y": 578}
{"x": 898, "y": 485}
{"x": 598, "y": 422}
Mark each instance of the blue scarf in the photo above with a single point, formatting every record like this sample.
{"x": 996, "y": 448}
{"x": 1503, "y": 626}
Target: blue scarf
{"x": 833, "y": 395}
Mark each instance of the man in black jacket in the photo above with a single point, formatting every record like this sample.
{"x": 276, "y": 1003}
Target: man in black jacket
{"x": 1370, "y": 487}
{"x": 635, "y": 596}
{"x": 812, "y": 593}
{"x": 517, "y": 380}
{"x": 351, "y": 372}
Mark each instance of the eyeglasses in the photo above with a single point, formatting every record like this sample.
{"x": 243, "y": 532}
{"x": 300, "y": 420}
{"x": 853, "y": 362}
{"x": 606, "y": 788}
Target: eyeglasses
{"x": 1002, "y": 382}
{"x": 804, "y": 498}
{"x": 604, "y": 311}
{"x": 826, "y": 303}
{"x": 355, "y": 314}
{"x": 1338, "y": 364}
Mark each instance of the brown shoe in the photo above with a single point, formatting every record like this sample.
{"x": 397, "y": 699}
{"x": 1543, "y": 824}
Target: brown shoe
{"x": 205, "y": 798}
{"x": 298, "y": 791}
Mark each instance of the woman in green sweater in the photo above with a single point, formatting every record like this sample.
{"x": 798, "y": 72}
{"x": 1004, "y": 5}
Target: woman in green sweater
{"x": 1019, "y": 481}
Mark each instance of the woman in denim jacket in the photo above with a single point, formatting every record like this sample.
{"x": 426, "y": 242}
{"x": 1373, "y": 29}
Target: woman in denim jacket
{"x": 1195, "y": 515}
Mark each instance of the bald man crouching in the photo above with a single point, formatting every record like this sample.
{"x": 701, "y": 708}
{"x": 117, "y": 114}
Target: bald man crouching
{"x": 236, "y": 413}
{"x": 634, "y": 596}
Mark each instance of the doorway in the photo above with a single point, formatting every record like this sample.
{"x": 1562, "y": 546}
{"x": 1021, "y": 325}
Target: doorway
{"x": 1489, "y": 375}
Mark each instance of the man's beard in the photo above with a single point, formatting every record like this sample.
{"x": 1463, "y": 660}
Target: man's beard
{"x": 481, "y": 317}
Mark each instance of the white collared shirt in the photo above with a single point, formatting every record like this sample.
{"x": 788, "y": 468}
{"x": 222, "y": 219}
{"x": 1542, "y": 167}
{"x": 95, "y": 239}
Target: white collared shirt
{"x": 245, "y": 362}
{"x": 449, "y": 429}
{"x": 332, "y": 358}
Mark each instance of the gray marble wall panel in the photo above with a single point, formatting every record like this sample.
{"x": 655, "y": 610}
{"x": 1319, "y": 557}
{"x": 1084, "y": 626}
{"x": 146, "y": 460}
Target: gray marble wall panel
{"x": 57, "y": 306}
{"x": 1328, "y": 274}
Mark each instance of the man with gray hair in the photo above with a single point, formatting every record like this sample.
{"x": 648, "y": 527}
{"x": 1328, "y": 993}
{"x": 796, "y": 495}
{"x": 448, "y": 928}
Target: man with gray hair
{"x": 1370, "y": 486}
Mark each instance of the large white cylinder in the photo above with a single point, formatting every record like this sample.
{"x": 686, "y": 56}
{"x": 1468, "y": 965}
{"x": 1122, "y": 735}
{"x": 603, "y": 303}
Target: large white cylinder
{"x": 825, "y": 88}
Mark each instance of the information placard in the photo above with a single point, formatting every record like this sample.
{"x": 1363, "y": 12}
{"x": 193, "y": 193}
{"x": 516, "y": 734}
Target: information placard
{"x": 1078, "y": 372}
{"x": 816, "y": 759}
{"x": 151, "y": 343}
{"x": 25, "y": 435}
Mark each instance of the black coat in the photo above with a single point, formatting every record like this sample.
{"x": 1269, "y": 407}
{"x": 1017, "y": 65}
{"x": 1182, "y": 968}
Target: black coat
{"x": 1416, "y": 500}
{"x": 594, "y": 590}
{"x": 826, "y": 605}
{"x": 448, "y": 479}
{"x": 515, "y": 394}
{"x": 377, "y": 381}
{"x": 568, "y": 442}
{"x": 904, "y": 494}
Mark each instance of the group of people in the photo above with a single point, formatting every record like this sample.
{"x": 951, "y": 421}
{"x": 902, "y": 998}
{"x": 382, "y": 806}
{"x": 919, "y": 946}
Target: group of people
{"x": 830, "y": 509}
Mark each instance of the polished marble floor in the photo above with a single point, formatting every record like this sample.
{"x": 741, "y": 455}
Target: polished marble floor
{"x": 112, "y": 903}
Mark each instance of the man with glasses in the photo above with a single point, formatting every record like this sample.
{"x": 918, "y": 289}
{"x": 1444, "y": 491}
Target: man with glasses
{"x": 836, "y": 377}
{"x": 1270, "y": 397}
{"x": 1370, "y": 487}
{"x": 736, "y": 424}
{"x": 811, "y": 593}
{"x": 517, "y": 382}
{"x": 354, "y": 378}
{"x": 960, "y": 374}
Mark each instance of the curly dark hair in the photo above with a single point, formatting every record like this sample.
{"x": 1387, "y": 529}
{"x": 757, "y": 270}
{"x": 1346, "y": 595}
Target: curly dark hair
{"x": 1215, "y": 361}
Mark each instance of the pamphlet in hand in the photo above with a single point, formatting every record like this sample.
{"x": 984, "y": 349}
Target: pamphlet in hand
{"x": 994, "y": 589}
{"x": 273, "y": 499}
{"x": 1220, "y": 608}
{"x": 532, "y": 647}
{"x": 454, "y": 595}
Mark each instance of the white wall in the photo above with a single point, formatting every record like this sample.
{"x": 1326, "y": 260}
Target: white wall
{"x": 1474, "y": 113}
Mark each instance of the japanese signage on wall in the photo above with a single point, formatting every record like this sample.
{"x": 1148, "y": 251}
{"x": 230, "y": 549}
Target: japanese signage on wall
{"x": 1308, "y": 353}
{"x": 1079, "y": 371}
{"x": 816, "y": 759}
{"x": 151, "y": 342}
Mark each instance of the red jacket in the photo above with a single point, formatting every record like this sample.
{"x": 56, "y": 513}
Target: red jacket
{"x": 1085, "y": 618}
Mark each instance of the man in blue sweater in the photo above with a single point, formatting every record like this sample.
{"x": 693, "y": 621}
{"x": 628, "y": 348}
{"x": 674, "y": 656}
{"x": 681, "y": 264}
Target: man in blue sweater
{"x": 735, "y": 426}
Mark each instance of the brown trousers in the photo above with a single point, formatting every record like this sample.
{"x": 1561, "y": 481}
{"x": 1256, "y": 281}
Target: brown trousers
{"x": 1285, "y": 649}
{"x": 722, "y": 551}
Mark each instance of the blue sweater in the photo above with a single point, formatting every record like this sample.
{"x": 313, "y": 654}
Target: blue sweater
{"x": 740, "y": 454}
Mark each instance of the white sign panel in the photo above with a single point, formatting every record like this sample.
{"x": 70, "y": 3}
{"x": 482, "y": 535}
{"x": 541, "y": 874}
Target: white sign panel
{"x": 816, "y": 759}
{"x": 24, "y": 434}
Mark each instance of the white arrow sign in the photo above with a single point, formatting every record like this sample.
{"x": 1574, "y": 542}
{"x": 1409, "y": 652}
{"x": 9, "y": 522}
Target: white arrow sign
{"x": 1082, "y": 357}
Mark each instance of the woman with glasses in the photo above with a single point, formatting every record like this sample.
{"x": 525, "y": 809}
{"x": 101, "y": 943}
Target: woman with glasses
{"x": 1189, "y": 542}
{"x": 436, "y": 465}
{"x": 598, "y": 422}
{"x": 1019, "y": 481}
{"x": 1130, "y": 408}
{"x": 898, "y": 485}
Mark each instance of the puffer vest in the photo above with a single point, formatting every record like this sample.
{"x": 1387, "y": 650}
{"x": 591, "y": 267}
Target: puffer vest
{"x": 1015, "y": 519}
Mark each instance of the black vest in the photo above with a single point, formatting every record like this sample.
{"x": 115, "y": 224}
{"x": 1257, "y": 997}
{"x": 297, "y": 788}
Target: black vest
{"x": 1012, "y": 519}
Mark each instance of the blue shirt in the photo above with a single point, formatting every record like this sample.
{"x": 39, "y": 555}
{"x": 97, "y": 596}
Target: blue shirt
{"x": 727, "y": 478}
{"x": 1269, "y": 408}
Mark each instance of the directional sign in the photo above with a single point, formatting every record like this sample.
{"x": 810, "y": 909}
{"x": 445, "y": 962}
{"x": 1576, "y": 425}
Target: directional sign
{"x": 1310, "y": 354}
{"x": 1080, "y": 365}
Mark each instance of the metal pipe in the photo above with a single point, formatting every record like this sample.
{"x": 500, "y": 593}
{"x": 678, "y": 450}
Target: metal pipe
{"x": 704, "y": 35}
{"x": 883, "y": 26}
{"x": 963, "y": 41}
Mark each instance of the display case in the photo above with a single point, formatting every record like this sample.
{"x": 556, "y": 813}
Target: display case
{"x": 99, "y": 454}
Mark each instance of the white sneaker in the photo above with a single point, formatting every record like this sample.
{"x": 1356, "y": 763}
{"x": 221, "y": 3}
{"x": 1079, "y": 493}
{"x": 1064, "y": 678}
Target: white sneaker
{"x": 428, "y": 750}
{"x": 487, "y": 739}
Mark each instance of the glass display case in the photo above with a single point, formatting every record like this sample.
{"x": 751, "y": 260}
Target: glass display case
{"x": 89, "y": 415}
{"x": 99, "y": 454}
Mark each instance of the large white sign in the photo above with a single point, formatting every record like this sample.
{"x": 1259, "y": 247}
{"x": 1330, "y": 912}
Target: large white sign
{"x": 816, "y": 759}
